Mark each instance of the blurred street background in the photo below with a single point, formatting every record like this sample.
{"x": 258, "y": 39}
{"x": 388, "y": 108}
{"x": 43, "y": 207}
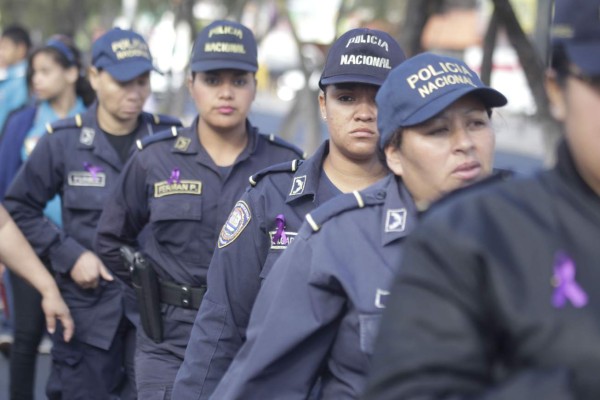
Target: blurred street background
{"x": 506, "y": 41}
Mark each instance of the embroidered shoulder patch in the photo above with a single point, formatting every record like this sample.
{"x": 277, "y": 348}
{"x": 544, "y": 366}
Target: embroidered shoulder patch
{"x": 238, "y": 219}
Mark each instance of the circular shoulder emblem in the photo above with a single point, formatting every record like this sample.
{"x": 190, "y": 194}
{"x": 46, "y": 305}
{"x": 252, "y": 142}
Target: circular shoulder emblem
{"x": 238, "y": 219}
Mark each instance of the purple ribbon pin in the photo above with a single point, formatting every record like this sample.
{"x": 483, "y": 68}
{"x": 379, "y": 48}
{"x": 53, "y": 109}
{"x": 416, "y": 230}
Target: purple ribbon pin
{"x": 279, "y": 232}
{"x": 174, "y": 178}
{"x": 566, "y": 288}
{"x": 92, "y": 169}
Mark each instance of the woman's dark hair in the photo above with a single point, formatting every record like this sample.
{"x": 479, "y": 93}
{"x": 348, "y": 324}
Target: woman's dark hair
{"x": 18, "y": 35}
{"x": 395, "y": 140}
{"x": 559, "y": 62}
{"x": 63, "y": 51}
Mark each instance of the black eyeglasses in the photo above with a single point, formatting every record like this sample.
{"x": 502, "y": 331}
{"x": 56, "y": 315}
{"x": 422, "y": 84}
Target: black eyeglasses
{"x": 593, "y": 81}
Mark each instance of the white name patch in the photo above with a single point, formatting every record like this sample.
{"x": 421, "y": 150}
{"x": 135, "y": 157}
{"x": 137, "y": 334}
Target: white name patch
{"x": 290, "y": 236}
{"x": 84, "y": 178}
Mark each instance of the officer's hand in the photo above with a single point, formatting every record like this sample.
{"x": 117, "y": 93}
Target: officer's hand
{"x": 88, "y": 270}
{"x": 54, "y": 307}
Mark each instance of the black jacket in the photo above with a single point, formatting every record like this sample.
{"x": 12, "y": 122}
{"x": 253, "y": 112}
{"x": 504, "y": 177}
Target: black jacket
{"x": 477, "y": 310}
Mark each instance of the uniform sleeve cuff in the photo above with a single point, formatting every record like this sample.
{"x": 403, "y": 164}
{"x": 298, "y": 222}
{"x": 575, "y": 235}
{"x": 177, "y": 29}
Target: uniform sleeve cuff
{"x": 64, "y": 256}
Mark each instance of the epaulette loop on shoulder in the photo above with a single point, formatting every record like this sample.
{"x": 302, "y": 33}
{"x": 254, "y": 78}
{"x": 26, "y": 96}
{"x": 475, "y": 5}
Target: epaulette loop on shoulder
{"x": 67, "y": 123}
{"x": 359, "y": 199}
{"x": 288, "y": 166}
{"x": 283, "y": 143}
{"x": 159, "y": 119}
{"x": 315, "y": 227}
{"x": 334, "y": 207}
{"x": 157, "y": 137}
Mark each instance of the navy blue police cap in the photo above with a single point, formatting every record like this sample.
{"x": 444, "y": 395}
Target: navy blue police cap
{"x": 577, "y": 27}
{"x": 361, "y": 56}
{"x": 123, "y": 53}
{"x": 422, "y": 87}
{"x": 224, "y": 45}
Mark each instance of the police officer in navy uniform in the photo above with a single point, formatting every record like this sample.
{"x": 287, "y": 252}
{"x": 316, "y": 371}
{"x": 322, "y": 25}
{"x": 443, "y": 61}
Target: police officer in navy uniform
{"x": 80, "y": 159}
{"x": 280, "y": 196}
{"x": 317, "y": 313}
{"x": 181, "y": 186}
{"x": 498, "y": 295}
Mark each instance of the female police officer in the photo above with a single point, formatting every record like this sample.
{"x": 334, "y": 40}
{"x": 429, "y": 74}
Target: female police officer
{"x": 55, "y": 75}
{"x": 182, "y": 186}
{"x": 80, "y": 159}
{"x": 280, "y": 198}
{"x": 318, "y": 311}
{"x": 498, "y": 294}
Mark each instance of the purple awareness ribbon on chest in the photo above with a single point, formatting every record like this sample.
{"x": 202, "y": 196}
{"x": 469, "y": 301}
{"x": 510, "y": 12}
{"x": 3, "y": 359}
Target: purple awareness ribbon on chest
{"x": 92, "y": 169}
{"x": 279, "y": 232}
{"x": 174, "y": 178}
{"x": 566, "y": 288}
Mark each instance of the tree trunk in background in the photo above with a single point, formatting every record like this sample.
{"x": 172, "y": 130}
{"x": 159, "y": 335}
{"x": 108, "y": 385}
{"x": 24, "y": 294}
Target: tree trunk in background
{"x": 304, "y": 112}
{"x": 417, "y": 14}
{"x": 534, "y": 69}
{"x": 489, "y": 44}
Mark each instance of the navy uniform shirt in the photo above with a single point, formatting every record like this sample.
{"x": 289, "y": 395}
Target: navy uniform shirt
{"x": 276, "y": 205}
{"x": 318, "y": 311}
{"x": 76, "y": 161}
{"x": 173, "y": 188}
{"x": 510, "y": 278}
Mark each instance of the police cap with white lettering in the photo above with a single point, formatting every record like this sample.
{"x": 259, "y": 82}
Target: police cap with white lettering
{"x": 422, "y": 87}
{"x": 224, "y": 45}
{"x": 361, "y": 56}
{"x": 124, "y": 54}
{"x": 577, "y": 27}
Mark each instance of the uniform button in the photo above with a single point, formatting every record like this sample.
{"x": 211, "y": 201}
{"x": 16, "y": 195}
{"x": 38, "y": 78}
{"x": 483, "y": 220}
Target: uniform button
{"x": 380, "y": 195}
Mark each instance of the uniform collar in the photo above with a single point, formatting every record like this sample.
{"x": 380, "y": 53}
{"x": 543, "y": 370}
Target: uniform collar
{"x": 90, "y": 132}
{"x": 187, "y": 141}
{"x": 205, "y": 159}
{"x": 306, "y": 179}
{"x": 92, "y": 138}
{"x": 399, "y": 216}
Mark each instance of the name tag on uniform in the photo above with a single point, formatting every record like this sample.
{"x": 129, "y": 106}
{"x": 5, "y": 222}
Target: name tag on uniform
{"x": 84, "y": 178}
{"x": 165, "y": 188}
{"x": 282, "y": 243}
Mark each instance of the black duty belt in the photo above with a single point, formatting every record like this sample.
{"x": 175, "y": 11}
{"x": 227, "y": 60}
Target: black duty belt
{"x": 181, "y": 295}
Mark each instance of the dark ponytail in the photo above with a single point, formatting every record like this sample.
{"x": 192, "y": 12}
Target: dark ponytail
{"x": 63, "y": 51}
